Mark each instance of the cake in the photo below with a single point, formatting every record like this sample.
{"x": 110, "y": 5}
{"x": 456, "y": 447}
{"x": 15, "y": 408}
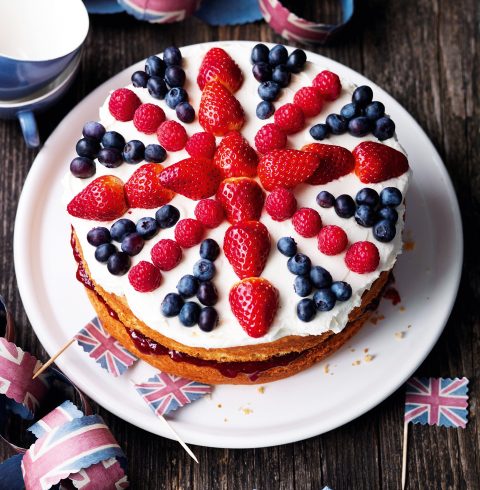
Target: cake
{"x": 249, "y": 256}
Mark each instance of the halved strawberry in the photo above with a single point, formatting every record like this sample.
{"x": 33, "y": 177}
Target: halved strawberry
{"x": 254, "y": 302}
{"x": 218, "y": 66}
{"x": 335, "y": 161}
{"x": 195, "y": 178}
{"x": 242, "y": 199}
{"x": 144, "y": 190}
{"x": 286, "y": 168}
{"x": 246, "y": 246}
{"x": 235, "y": 157}
{"x": 219, "y": 112}
{"x": 102, "y": 200}
{"x": 375, "y": 162}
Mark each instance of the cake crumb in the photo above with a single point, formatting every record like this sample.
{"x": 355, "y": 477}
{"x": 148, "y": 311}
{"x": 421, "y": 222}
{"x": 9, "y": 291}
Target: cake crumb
{"x": 369, "y": 358}
{"x": 352, "y": 350}
{"x": 356, "y": 363}
{"x": 365, "y": 350}
{"x": 376, "y": 319}
{"x": 261, "y": 389}
{"x": 399, "y": 335}
{"x": 326, "y": 368}
{"x": 219, "y": 405}
{"x": 409, "y": 326}
{"x": 402, "y": 309}
{"x": 225, "y": 419}
{"x": 247, "y": 411}
{"x": 409, "y": 245}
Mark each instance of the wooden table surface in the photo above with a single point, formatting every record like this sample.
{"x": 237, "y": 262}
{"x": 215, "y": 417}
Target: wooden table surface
{"x": 426, "y": 54}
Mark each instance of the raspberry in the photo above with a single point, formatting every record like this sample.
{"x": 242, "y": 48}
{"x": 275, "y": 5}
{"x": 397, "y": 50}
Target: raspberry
{"x": 145, "y": 277}
{"x": 362, "y": 257}
{"x": 209, "y": 212}
{"x": 166, "y": 254}
{"x": 148, "y": 117}
{"x": 309, "y": 100}
{"x": 123, "y": 104}
{"x": 307, "y": 222}
{"x": 270, "y": 137}
{"x": 201, "y": 145}
{"x": 332, "y": 240}
{"x": 281, "y": 204}
{"x": 328, "y": 84}
{"x": 172, "y": 135}
{"x": 189, "y": 232}
{"x": 290, "y": 118}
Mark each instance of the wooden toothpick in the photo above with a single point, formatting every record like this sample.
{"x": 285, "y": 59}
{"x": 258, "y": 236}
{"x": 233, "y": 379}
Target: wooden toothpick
{"x": 404, "y": 454}
{"x": 53, "y": 358}
{"x": 179, "y": 440}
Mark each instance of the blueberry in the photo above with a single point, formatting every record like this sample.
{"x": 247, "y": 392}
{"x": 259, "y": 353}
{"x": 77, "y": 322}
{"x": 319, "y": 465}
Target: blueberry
{"x": 207, "y": 293}
{"x": 388, "y": 213}
{"x": 265, "y": 110}
{"x": 362, "y": 95}
{"x": 112, "y": 139}
{"x": 384, "y": 128}
{"x": 174, "y": 76}
{"x": 349, "y": 111}
{"x": 359, "y": 126}
{"x": 324, "y": 299}
{"x": 82, "y": 167}
{"x": 365, "y": 215}
{"x": 167, "y": 216}
{"x": 147, "y": 227}
{"x": 319, "y": 131}
{"x": 185, "y": 112}
{"x": 134, "y": 152}
{"x": 94, "y": 130}
{"x": 155, "y": 153}
{"x": 391, "y": 196}
{"x": 188, "y": 286}
{"x": 118, "y": 263}
{"x": 262, "y": 71}
{"x": 287, "y": 246}
{"x": 320, "y": 277}
{"x": 325, "y": 199}
{"x": 375, "y": 110}
{"x": 296, "y": 61}
{"x": 342, "y": 290}
{"x": 104, "y": 251}
{"x": 302, "y": 286}
{"x": 306, "y": 310}
{"x": 278, "y": 55}
{"x": 154, "y": 66}
{"x": 259, "y": 53}
{"x": 345, "y": 206}
{"x": 268, "y": 91}
{"x": 140, "y": 79}
{"x": 367, "y": 196}
{"x": 208, "y": 319}
{"x": 98, "y": 236}
{"x": 172, "y": 56}
{"x": 110, "y": 157}
{"x": 171, "y": 304}
{"x": 384, "y": 231}
{"x": 189, "y": 314}
{"x": 87, "y": 147}
{"x": 204, "y": 270}
{"x": 281, "y": 75}
{"x": 299, "y": 264}
{"x": 209, "y": 249}
{"x": 121, "y": 228}
{"x": 132, "y": 244}
{"x": 336, "y": 124}
{"x": 175, "y": 96}
{"x": 157, "y": 87}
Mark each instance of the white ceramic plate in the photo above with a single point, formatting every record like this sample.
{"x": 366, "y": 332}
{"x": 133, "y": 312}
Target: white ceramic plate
{"x": 302, "y": 406}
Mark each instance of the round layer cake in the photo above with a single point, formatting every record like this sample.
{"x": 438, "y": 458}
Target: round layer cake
{"x": 275, "y": 310}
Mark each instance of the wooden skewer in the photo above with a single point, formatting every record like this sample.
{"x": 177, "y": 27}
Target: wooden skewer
{"x": 404, "y": 454}
{"x": 53, "y": 358}
{"x": 177, "y": 437}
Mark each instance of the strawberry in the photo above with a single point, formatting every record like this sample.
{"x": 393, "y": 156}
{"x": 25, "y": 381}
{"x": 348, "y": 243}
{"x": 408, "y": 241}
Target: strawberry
{"x": 219, "y": 112}
{"x": 375, "y": 162}
{"x": 242, "y": 199}
{"x": 254, "y": 302}
{"x": 286, "y": 168}
{"x": 102, "y": 200}
{"x": 235, "y": 157}
{"x": 335, "y": 161}
{"x": 195, "y": 178}
{"x": 218, "y": 66}
{"x": 246, "y": 246}
{"x": 144, "y": 190}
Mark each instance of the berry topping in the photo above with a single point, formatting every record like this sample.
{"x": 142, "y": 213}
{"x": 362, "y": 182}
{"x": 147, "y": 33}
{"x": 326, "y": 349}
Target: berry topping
{"x": 362, "y": 96}
{"x": 147, "y": 227}
{"x": 110, "y": 157}
{"x": 336, "y": 124}
{"x": 359, "y": 126}
{"x": 384, "y": 231}
{"x": 362, "y": 257}
{"x": 302, "y": 286}
{"x": 123, "y": 104}
{"x": 388, "y": 213}
{"x": 98, "y": 236}
{"x": 172, "y": 56}
{"x": 204, "y": 269}
{"x": 265, "y": 110}
{"x": 235, "y": 157}
{"x": 320, "y": 277}
{"x": 299, "y": 264}
{"x": 351, "y": 110}
{"x": 134, "y": 152}
{"x": 342, "y": 290}
{"x": 176, "y": 96}
{"x": 278, "y": 55}
{"x": 171, "y": 305}
{"x": 140, "y": 79}
{"x": 306, "y": 310}
{"x": 157, "y": 87}
{"x": 365, "y": 215}
{"x": 132, "y": 244}
{"x": 166, "y": 254}
{"x": 345, "y": 206}
{"x": 94, "y": 130}
{"x": 207, "y": 293}
{"x": 174, "y": 76}
{"x": 270, "y": 137}
{"x": 188, "y": 286}
{"x": 332, "y": 240}
{"x": 259, "y": 53}
{"x": 290, "y": 118}
{"x": 307, "y": 222}
{"x": 144, "y": 190}
{"x": 367, "y": 196}
{"x": 104, "y": 251}
{"x": 167, "y": 216}
{"x": 218, "y": 66}
{"x": 262, "y": 71}
{"x": 155, "y": 153}
{"x": 287, "y": 246}
{"x": 189, "y": 232}
{"x": 144, "y": 277}
{"x": 154, "y": 66}
{"x": 391, "y": 196}
{"x": 148, "y": 117}
{"x": 328, "y": 84}
{"x": 375, "y": 110}
{"x": 185, "y": 112}
{"x": 112, "y": 139}
{"x": 189, "y": 314}
{"x": 82, "y": 167}
{"x": 325, "y": 199}
{"x": 118, "y": 263}
{"x": 281, "y": 75}
{"x": 280, "y": 204}
{"x": 87, "y": 147}
{"x": 201, "y": 145}
{"x": 209, "y": 249}
{"x": 172, "y": 135}
{"x": 208, "y": 319}
{"x": 209, "y": 212}
{"x": 384, "y": 128}
{"x": 121, "y": 228}
{"x": 309, "y": 100}
{"x": 269, "y": 90}
{"x": 296, "y": 61}
{"x": 324, "y": 299}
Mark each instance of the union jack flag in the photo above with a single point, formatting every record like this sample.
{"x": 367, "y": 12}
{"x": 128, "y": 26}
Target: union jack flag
{"x": 104, "y": 348}
{"x": 166, "y": 392}
{"x": 437, "y": 401}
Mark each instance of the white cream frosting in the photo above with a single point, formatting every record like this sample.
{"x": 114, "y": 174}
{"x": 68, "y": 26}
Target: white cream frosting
{"x": 228, "y": 333}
